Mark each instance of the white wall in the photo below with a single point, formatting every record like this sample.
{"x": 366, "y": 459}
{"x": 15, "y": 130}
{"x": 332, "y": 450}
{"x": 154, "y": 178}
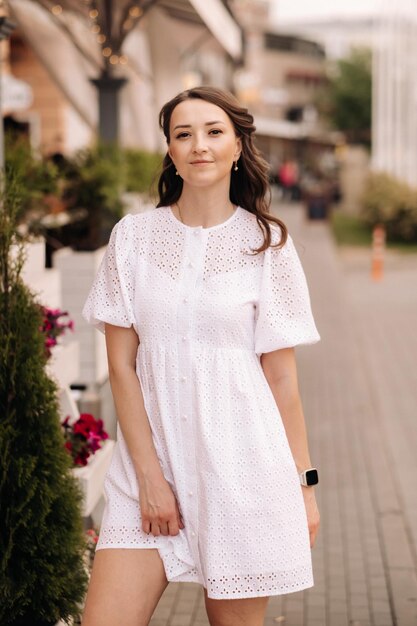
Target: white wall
{"x": 394, "y": 130}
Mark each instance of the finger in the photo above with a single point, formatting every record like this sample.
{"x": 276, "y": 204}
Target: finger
{"x": 173, "y": 527}
{"x": 164, "y": 528}
{"x": 146, "y": 526}
{"x": 155, "y": 530}
{"x": 180, "y": 520}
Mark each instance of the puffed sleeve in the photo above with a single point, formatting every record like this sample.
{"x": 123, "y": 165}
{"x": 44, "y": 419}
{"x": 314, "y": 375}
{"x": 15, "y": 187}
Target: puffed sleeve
{"x": 284, "y": 317}
{"x": 111, "y": 296}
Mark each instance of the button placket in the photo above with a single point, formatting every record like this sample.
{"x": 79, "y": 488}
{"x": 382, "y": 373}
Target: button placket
{"x": 191, "y": 275}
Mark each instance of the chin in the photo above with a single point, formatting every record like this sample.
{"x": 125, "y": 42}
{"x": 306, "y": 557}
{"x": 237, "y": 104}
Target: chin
{"x": 202, "y": 179}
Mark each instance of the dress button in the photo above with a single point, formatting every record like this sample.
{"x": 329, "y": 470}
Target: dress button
{"x": 184, "y": 417}
{"x": 193, "y": 534}
{"x": 190, "y": 493}
{"x": 183, "y": 379}
{"x": 196, "y": 232}
{"x": 190, "y": 264}
{"x": 185, "y": 300}
{"x": 184, "y": 338}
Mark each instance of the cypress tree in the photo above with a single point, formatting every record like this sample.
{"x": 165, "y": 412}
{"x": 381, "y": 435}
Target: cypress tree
{"x": 42, "y": 576}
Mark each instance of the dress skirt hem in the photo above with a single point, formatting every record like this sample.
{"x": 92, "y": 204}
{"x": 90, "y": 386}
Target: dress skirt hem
{"x": 178, "y": 571}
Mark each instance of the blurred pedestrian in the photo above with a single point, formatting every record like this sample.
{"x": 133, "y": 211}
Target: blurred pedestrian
{"x": 289, "y": 176}
{"x": 202, "y": 300}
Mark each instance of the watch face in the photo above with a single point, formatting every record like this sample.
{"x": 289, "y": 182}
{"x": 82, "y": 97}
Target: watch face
{"x": 312, "y": 477}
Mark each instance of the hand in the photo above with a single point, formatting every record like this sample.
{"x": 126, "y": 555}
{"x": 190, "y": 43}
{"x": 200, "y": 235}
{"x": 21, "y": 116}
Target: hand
{"x": 313, "y": 515}
{"x": 159, "y": 507}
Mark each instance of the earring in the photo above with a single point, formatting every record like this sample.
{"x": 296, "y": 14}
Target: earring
{"x": 235, "y": 167}
{"x": 176, "y": 173}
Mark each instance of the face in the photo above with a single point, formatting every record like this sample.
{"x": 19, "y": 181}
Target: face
{"x": 203, "y": 143}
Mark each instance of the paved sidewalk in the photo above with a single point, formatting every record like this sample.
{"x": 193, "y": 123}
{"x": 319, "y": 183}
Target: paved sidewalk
{"x": 358, "y": 387}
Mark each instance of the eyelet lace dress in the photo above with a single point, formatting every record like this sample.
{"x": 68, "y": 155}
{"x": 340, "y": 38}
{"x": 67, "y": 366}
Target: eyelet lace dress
{"x": 205, "y": 309}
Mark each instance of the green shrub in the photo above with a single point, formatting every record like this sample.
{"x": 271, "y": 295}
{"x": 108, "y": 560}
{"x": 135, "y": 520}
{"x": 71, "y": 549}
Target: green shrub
{"x": 38, "y": 177}
{"x": 142, "y": 170}
{"x": 350, "y": 230}
{"x": 393, "y": 204}
{"x": 94, "y": 181}
{"x": 42, "y": 576}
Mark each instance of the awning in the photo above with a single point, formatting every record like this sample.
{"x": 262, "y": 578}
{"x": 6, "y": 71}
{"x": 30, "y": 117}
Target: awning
{"x": 280, "y": 128}
{"x": 297, "y": 131}
{"x": 221, "y": 24}
{"x": 214, "y": 15}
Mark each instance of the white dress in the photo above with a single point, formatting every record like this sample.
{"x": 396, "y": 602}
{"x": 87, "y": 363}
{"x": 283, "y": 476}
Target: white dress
{"x": 205, "y": 309}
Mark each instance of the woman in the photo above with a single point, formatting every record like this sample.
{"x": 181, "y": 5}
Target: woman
{"x": 202, "y": 301}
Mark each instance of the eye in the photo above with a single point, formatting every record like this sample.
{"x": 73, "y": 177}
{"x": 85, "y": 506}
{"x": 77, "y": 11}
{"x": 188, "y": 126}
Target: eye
{"x": 181, "y": 135}
{"x": 216, "y": 131}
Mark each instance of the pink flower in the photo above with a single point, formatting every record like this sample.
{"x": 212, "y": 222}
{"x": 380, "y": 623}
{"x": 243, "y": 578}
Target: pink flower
{"x": 83, "y": 437}
{"x": 52, "y": 328}
{"x": 94, "y": 442}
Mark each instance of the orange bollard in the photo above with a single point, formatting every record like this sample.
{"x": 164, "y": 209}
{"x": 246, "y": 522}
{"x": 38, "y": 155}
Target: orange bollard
{"x": 378, "y": 248}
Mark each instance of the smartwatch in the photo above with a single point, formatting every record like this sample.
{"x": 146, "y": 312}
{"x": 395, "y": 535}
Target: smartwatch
{"x": 309, "y": 477}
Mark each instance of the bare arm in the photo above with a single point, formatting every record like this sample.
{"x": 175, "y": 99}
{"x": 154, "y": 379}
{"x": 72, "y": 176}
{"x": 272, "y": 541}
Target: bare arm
{"x": 160, "y": 514}
{"x": 280, "y": 371}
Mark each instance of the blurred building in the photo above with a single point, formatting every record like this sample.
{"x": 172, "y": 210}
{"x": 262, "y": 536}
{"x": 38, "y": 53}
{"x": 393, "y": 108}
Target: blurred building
{"x": 279, "y": 82}
{"x": 176, "y": 44}
{"x": 337, "y": 35}
{"x": 394, "y": 132}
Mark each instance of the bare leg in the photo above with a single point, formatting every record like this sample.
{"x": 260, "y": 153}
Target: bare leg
{"x": 125, "y": 587}
{"x": 241, "y": 612}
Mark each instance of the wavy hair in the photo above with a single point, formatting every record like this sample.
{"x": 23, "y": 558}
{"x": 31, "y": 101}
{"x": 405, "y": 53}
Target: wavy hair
{"x": 249, "y": 185}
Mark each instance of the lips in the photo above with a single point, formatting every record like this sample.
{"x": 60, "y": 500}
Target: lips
{"x": 200, "y": 162}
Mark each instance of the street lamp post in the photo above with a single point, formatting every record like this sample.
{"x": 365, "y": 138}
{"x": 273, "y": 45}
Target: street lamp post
{"x": 6, "y": 28}
{"x": 108, "y": 88}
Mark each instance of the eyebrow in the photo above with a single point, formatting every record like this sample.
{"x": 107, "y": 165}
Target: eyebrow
{"x": 206, "y": 124}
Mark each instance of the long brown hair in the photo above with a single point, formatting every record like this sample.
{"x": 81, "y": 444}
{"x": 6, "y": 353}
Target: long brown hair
{"x": 249, "y": 185}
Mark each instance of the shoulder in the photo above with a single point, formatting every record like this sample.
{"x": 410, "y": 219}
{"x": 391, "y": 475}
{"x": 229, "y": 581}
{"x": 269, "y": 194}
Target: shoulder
{"x": 132, "y": 225}
{"x": 250, "y": 223}
{"x": 138, "y": 220}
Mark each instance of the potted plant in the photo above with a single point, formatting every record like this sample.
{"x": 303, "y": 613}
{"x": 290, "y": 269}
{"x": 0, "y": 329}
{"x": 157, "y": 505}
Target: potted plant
{"x": 94, "y": 182}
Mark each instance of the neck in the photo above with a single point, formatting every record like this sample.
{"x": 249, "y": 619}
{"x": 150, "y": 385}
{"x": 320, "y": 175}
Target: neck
{"x": 202, "y": 207}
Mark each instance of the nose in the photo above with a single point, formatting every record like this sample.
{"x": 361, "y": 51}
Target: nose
{"x": 199, "y": 144}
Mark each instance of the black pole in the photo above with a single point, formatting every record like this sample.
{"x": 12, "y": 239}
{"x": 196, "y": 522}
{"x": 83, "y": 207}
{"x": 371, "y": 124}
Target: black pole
{"x": 108, "y": 98}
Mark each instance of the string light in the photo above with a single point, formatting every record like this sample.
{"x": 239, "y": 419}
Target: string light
{"x": 135, "y": 11}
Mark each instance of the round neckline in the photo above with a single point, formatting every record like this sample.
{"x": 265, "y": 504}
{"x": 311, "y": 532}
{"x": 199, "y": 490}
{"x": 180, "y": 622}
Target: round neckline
{"x": 209, "y": 228}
